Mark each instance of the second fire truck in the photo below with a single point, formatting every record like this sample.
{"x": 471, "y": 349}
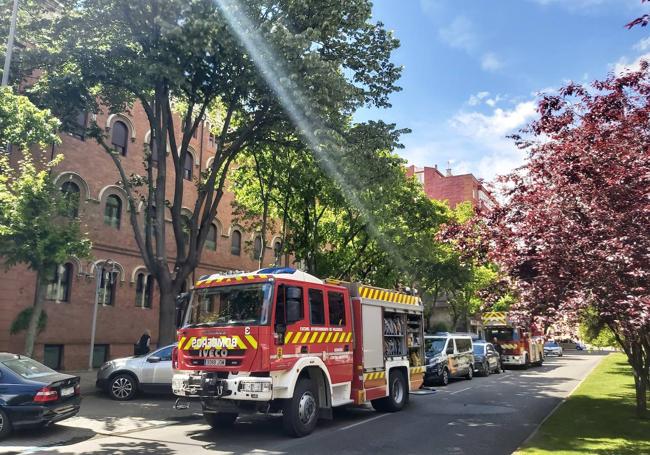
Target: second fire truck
{"x": 281, "y": 340}
{"x": 520, "y": 345}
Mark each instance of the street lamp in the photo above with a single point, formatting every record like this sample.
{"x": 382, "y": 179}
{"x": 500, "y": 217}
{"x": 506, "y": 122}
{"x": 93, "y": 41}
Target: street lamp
{"x": 109, "y": 277}
{"x": 10, "y": 45}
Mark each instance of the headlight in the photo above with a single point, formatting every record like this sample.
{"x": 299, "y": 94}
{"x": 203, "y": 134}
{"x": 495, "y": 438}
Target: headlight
{"x": 105, "y": 366}
{"x": 434, "y": 361}
{"x": 254, "y": 387}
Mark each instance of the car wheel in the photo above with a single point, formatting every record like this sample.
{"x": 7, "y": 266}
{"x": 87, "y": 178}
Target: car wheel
{"x": 5, "y": 425}
{"x": 526, "y": 361}
{"x": 122, "y": 387}
{"x": 300, "y": 413}
{"x": 498, "y": 369}
{"x": 444, "y": 379}
{"x": 470, "y": 374}
{"x": 219, "y": 420}
{"x": 397, "y": 394}
{"x": 486, "y": 369}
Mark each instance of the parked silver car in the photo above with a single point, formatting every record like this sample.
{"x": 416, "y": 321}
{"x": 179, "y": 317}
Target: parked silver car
{"x": 123, "y": 378}
{"x": 553, "y": 348}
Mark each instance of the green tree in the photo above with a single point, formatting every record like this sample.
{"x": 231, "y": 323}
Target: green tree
{"x": 23, "y": 124}
{"x": 190, "y": 56}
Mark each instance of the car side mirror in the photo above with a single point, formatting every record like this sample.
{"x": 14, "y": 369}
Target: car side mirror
{"x": 153, "y": 359}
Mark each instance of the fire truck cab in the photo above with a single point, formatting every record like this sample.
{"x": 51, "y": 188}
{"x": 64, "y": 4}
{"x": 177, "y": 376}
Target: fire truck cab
{"x": 518, "y": 344}
{"x": 282, "y": 340}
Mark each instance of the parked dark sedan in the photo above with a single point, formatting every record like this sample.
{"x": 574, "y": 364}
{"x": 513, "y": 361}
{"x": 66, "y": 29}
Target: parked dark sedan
{"x": 486, "y": 358}
{"x": 33, "y": 395}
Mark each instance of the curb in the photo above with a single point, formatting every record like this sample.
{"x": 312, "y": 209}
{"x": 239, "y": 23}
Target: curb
{"x": 556, "y": 407}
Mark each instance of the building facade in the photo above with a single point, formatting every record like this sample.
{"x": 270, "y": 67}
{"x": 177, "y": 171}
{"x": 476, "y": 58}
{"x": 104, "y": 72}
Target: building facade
{"x": 452, "y": 188}
{"x": 127, "y": 295}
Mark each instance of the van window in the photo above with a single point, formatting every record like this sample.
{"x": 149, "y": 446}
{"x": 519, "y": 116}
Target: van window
{"x": 463, "y": 344}
{"x": 316, "y": 307}
{"x": 450, "y": 346}
{"x": 289, "y": 307}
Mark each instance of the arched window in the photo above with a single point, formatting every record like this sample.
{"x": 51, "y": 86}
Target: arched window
{"x": 120, "y": 137}
{"x": 143, "y": 290}
{"x": 277, "y": 250}
{"x": 187, "y": 167}
{"x": 211, "y": 239}
{"x": 113, "y": 211}
{"x": 71, "y": 195}
{"x": 59, "y": 282}
{"x": 257, "y": 247}
{"x": 235, "y": 243}
{"x": 107, "y": 285}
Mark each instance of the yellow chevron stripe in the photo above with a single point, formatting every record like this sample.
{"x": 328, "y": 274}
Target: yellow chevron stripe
{"x": 189, "y": 343}
{"x": 180, "y": 343}
{"x": 329, "y": 336}
{"x": 304, "y": 338}
{"x": 349, "y": 337}
{"x": 296, "y": 338}
{"x": 252, "y": 341}
{"x": 313, "y": 337}
{"x": 336, "y": 337}
{"x": 287, "y": 337}
{"x": 240, "y": 343}
{"x": 322, "y": 335}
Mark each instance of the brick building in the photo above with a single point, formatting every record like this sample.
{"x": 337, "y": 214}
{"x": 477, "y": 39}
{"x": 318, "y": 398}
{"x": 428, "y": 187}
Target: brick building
{"x": 128, "y": 305}
{"x": 452, "y": 188}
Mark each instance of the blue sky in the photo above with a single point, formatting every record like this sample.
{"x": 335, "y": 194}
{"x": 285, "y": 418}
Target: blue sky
{"x": 472, "y": 69}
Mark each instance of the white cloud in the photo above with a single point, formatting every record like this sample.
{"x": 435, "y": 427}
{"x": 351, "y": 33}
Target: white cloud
{"x": 624, "y": 64}
{"x": 490, "y": 62}
{"x": 459, "y": 34}
{"x": 476, "y": 142}
{"x": 577, "y": 5}
{"x": 475, "y": 100}
{"x": 643, "y": 45}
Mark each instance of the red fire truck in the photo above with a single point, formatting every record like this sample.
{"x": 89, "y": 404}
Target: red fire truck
{"x": 520, "y": 346}
{"x": 282, "y": 340}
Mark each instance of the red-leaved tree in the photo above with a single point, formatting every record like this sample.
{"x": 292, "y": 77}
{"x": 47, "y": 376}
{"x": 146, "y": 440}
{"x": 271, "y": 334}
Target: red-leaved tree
{"x": 575, "y": 230}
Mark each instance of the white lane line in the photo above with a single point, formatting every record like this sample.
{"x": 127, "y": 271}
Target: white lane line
{"x": 458, "y": 391}
{"x": 364, "y": 421}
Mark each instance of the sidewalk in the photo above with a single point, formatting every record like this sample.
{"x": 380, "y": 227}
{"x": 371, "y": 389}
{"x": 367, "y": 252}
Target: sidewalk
{"x": 87, "y": 380}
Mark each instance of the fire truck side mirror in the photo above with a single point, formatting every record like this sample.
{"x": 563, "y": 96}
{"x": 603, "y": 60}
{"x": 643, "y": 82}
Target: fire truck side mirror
{"x": 182, "y": 300}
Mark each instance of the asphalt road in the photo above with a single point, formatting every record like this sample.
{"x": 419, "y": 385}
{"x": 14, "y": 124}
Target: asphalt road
{"x": 492, "y": 415}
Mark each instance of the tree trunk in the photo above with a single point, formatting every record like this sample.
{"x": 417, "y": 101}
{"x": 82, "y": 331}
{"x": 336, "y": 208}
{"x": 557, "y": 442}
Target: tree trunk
{"x": 37, "y": 309}
{"x": 636, "y": 359}
{"x": 167, "y": 319}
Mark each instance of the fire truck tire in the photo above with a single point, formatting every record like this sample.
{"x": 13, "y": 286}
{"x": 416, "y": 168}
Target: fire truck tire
{"x": 397, "y": 394}
{"x": 526, "y": 361}
{"x": 218, "y": 420}
{"x": 300, "y": 413}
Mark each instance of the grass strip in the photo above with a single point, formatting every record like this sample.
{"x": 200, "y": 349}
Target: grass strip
{"x": 598, "y": 418}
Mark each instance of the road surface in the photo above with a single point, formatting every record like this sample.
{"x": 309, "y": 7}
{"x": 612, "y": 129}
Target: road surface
{"x": 492, "y": 415}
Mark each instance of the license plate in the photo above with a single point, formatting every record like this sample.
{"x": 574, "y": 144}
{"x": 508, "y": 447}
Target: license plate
{"x": 215, "y": 362}
{"x": 67, "y": 391}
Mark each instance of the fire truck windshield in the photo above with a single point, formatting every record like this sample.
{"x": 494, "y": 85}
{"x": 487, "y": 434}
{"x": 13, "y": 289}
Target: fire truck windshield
{"x": 240, "y": 304}
{"x": 502, "y": 334}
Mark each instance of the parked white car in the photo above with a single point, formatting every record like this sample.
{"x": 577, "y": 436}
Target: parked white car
{"x": 552, "y": 348}
{"x": 123, "y": 378}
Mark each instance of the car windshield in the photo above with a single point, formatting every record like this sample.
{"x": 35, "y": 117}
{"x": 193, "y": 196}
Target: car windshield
{"x": 242, "y": 304}
{"x": 550, "y": 344}
{"x": 479, "y": 349}
{"x": 434, "y": 346}
{"x": 28, "y": 368}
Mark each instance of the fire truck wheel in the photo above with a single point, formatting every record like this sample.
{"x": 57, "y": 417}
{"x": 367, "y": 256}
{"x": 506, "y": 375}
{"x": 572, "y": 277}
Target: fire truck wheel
{"x": 397, "y": 394}
{"x": 218, "y": 420}
{"x": 300, "y": 413}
